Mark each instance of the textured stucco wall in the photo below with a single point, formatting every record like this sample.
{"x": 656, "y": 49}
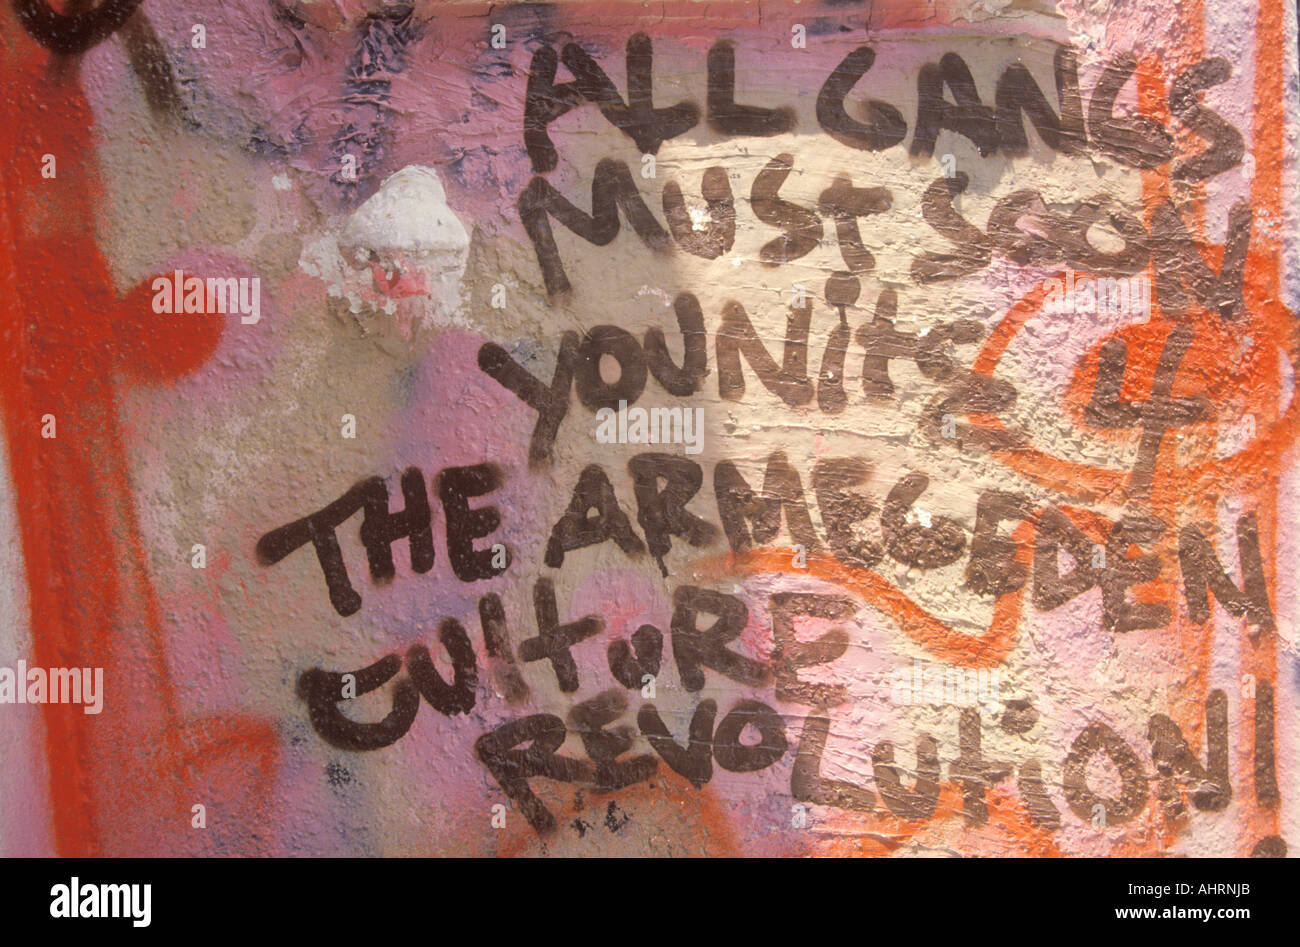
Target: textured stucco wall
{"x": 851, "y": 588}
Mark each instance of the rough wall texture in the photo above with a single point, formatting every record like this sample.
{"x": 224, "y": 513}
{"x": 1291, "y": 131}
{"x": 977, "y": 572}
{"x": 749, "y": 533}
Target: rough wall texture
{"x": 966, "y": 330}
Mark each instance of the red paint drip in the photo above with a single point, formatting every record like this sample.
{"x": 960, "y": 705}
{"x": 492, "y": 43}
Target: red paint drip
{"x": 122, "y": 782}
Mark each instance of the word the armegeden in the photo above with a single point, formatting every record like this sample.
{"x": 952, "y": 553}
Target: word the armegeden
{"x": 1108, "y": 556}
{"x": 180, "y": 293}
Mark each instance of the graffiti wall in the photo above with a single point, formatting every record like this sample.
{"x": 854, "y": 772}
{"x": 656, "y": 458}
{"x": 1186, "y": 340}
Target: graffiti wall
{"x": 820, "y": 428}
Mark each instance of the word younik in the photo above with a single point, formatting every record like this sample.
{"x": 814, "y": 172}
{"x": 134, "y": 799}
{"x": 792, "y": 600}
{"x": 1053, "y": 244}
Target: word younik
{"x": 1110, "y": 558}
{"x": 959, "y": 391}
{"x": 180, "y": 293}
{"x": 737, "y": 342}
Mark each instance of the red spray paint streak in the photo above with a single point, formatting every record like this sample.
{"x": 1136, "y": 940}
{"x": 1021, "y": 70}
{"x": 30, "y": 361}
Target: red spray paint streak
{"x": 122, "y": 782}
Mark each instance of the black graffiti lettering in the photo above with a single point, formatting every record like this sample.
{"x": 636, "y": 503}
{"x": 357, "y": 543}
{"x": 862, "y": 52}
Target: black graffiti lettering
{"x": 551, "y": 402}
{"x": 1028, "y": 232}
{"x": 789, "y": 654}
{"x": 920, "y": 801}
{"x": 1122, "y": 572}
{"x": 1157, "y": 414}
{"x": 1177, "y": 768}
{"x": 1270, "y": 846}
{"x": 323, "y": 691}
{"x": 465, "y": 524}
{"x": 1033, "y": 793}
{"x": 807, "y": 784}
{"x": 512, "y": 767}
{"x": 648, "y": 648}
{"x": 841, "y": 291}
{"x": 544, "y": 102}
{"x": 843, "y": 511}
{"x": 1203, "y": 575}
{"x": 1018, "y": 93}
{"x": 1025, "y": 231}
{"x": 695, "y": 648}
{"x": 883, "y": 342}
{"x": 638, "y": 118}
{"x": 1180, "y": 267}
{"x": 973, "y": 249}
{"x": 318, "y": 529}
{"x": 458, "y": 696}
{"x": 1266, "y": 793}
{"x": 1056, "y": 531}
{"x": 604, "y": 746}
{"x": 916, "y": 544}
{"x": 971, "y": 393}
{"x": 1226, "y": 145}
{"x": 845, "y": 204}
{"x": 738, "y": 757}
{"x": 78, "y": 29}
{"x": 662, "y": 512}
{"x": 739, "y": 506}
{"x": 736, "y": 336}
{"x": 379, "y": 530}
{"x": 974, "y": 773}
{"x": 695, "y": 353}
{"x": 992, "y": 568}
{"x": 612, "y": 188}
{"x": 576, "y": 529}
{"x": 1099, "y": 738}
{"x": 1136, "y": 141}
{"x": 1071, "y": 235}
{"x": 620, "y": 345}
{"x": 496, "y": 642}
{"x": 695, "y": 761}
{"x": 554, "y": 640}
{"x": 725, "y": 115}
{"x": 802, "y": 228}
{"x": 1023, "y": 228}
{"x": 967, "y": 115}
{"x": 716, "y": 238}
{"x": 884, "y": 127}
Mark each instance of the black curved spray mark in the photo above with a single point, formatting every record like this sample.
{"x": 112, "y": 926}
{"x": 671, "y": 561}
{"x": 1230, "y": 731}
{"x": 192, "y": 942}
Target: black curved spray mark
{"x": 72, "y": 33}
